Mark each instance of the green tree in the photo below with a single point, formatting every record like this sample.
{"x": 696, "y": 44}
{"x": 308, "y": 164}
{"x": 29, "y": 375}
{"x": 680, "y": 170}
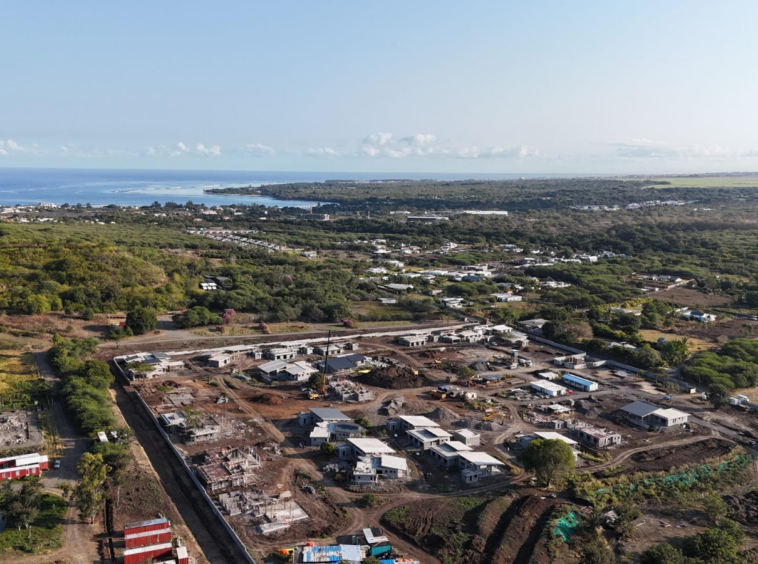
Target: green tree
{"x": 22, "y": 507}
{"x": 676, "y": 351}
{"x": 718, "y": 395}
{"x": 597, "y": 552}
{"x": 663, "y": 554}
{"x": 90, "y": 491}
{"x": 550, "y": 459}
{"x": 141, "y": 320}
{"x": 327, "y": 448}
{"x": 717, "y": 545}
{"x": 714, "y": 507}
{"x": 627, "y": 515}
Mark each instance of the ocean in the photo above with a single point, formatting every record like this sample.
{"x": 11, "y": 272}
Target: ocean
{"x": 100, "y": 187}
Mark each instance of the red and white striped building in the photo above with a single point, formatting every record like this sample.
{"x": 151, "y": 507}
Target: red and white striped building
{"x": 151, "y": 539}
{"x": 17, "y": 467}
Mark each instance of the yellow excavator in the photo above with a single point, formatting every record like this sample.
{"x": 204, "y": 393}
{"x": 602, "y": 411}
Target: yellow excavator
{"x": 494, "y": 415}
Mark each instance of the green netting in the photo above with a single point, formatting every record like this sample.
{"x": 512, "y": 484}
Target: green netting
{"x": 566, "y": 525}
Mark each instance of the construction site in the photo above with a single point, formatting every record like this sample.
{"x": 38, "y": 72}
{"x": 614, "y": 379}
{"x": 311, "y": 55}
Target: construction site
{"x": 287, "y": 437}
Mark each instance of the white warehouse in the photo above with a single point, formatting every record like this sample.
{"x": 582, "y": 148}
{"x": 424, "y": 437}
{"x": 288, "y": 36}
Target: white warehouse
{"x": 548, "y": 388}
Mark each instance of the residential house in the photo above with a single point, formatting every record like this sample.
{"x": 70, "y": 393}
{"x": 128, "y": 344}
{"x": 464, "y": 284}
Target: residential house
{"x": 446, "y": 454}
{"x": 477, "y": 465}
{"x": 426, "y": 438}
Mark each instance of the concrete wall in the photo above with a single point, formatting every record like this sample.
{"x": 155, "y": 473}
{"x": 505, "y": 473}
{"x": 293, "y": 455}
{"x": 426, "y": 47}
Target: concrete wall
{"x": 240, "y": 545}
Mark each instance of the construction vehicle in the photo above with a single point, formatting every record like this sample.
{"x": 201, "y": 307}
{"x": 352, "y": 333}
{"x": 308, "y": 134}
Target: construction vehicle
{"x": 437, "y": 394}
{"x": 451, "y": 379}
{"x": 493, "y": 415}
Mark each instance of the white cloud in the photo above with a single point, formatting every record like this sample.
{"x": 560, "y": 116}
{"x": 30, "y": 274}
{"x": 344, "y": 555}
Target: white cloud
{"x": 214, "y": 151}
{"x": 649, "y": 149}
{"x": 322, "y": 152}
{"x": 426, "y": 145}
{"x": 10, "y": 147}
{"x": 378, "y": 139}
{"x": 259, "y": 149}
{"x": 182, "y": 149}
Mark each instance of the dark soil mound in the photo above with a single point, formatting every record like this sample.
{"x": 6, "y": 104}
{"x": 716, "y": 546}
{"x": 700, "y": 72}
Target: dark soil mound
{"x": 395, "y": 378}
{"x": 268, "y": 399}
{"x": 743, "y": 509}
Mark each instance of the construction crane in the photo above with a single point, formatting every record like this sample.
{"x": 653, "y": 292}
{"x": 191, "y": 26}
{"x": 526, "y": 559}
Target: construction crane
{"x": 322, "y": 389}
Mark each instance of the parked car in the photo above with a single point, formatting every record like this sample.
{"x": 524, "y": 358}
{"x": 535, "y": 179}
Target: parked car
{"x": 57, "y": 464}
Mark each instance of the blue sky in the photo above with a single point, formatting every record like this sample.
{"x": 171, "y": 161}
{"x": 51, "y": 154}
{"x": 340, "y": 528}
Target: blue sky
{"x": 437, "y": 86}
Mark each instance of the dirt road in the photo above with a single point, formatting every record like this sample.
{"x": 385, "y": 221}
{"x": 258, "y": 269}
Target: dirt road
{"x": 80, "y": 545}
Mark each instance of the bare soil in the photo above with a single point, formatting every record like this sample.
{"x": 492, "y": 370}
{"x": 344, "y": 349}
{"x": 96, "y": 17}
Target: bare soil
{"x": 692, "y": 298}
{"x": 674, "y": 456}
{"x": 395, "y": 378}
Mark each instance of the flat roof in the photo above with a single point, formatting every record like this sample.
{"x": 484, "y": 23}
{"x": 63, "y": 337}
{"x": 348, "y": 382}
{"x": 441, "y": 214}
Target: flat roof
{"x": 274, "y": 365}
{"x": 451, "y": 447}
{"x": 432, "y": 433}
{"x": 548, "y": 385}
{"x": 468, "y": 433}
{"x": 481, "y": 458}
{"x": 394, "y": 462}
{"x": 371, "y": 446}
{"x": 670, "y": 413}
{"x": 553, "y": 436}
{"x": 597, "y": 432}
{"x": 548, "y": 375}
{"x": 418, "y": 420}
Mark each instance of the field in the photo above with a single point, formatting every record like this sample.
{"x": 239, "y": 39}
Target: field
{"x": 692, "y": 298}
{"x": 17, "y": 372}
{"x": 747, "y": 181}
{"x": 696, "y": 345}
{"x": 20, "y": 384}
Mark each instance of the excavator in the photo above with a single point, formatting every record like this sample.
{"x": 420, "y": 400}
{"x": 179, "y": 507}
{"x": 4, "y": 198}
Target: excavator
{"x": 493, "y": 415}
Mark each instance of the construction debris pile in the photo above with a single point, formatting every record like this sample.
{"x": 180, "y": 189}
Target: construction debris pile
{"x": 16, "y": 430}
{"x": 395, "y": 378}
{"x": 270, "y": 514}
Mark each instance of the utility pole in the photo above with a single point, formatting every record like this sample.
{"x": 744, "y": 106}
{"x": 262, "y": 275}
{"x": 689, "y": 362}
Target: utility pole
{"x": 326, "y": 363}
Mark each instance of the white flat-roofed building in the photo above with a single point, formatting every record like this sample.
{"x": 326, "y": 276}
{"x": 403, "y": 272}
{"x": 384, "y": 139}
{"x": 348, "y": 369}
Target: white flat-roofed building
{"x": 477, "y": 465}
{"x": 648, "y": 415}
{"x": 410, "y": 422}
{"x": 467, "y": 437}
{"x": 368, "y": 447}
{"x": 550, "y": 389}
{"x": 418, "y": 340}
{"x": 526, "y": 440}
{"x": 597, "y": 437}
{"x": 446, "y": 454}
{"x": 426, "y": 438}
{"x": 371, "y": 469}
{"x": 669, "y": 417}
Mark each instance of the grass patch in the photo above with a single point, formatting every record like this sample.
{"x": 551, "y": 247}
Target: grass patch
{"x": 46, "y": 532}
{"x": 747, "y": 181}
{"x": 696, "y": 345}
{"x": 20, "y": 383}
{"x": 397, "y": 515}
